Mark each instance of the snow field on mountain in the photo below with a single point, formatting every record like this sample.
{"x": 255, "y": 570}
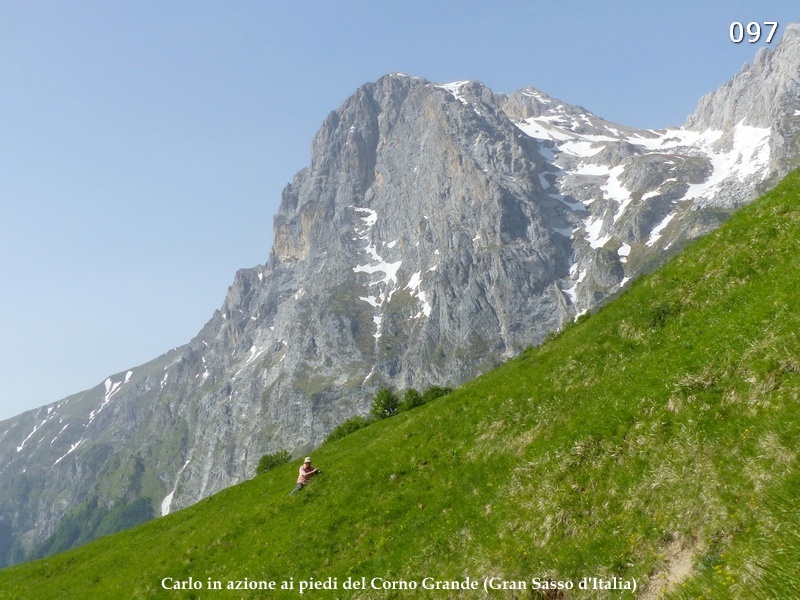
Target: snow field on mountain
{"x": 741, "y": 155}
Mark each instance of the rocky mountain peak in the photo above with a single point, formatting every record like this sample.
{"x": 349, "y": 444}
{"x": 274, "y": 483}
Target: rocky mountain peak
{"x": 759, "y": 94}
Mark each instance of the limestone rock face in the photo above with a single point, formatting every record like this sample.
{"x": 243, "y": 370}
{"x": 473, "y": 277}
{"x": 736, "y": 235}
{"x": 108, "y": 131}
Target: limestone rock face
{"x": 765, "y": 94}
{"x": 438, "y": 230}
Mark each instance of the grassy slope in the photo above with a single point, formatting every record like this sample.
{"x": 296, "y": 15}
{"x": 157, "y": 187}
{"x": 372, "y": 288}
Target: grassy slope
{"x": 655, "y": 440}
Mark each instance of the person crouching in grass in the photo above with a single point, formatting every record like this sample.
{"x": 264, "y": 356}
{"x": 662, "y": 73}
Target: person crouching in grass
{"x": 307, "y": 471}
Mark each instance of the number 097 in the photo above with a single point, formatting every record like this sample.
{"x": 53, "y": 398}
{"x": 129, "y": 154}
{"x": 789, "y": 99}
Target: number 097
{"x": 753, "y": 31}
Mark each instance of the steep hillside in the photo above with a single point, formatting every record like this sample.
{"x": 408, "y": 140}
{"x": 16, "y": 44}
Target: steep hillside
{"x": 655, "y": 441}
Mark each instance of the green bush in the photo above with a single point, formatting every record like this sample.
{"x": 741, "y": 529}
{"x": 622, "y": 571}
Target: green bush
{"x": 411, "y": 399}
{"x": 272, "y": 461}
{"x": 346, "y": 428}
{"x": 434, "y": 392}
{"x": 385, "y": 404}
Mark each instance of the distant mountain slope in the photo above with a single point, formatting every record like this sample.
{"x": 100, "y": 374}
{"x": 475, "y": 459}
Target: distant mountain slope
{"x": 438, "y": 231}
{"x": 654, "y": 442}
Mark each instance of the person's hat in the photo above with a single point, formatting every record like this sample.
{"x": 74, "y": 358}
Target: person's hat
{"x": 308, "y": 459}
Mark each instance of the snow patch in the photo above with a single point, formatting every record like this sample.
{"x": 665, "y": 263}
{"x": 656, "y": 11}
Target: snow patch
{"x": 612, "y": 189}
{"x": 166, "y": 503}
{"x": 543, "y": 181}
{"x": 540, "y": 129}
{"x": 655, "y": 235}
{"x": 582, "y": 148}
{"x": 593, "y": 226}
{"x": 547, "y": 154}
{"x": 205, "y": 372}
{"x": 389, "y": 269}
{"x": 370, "y": 374}
{"x": 376, "y": 264}
{"x": 30, "y": 435}
{"x": 70, "y": 451}
{"x": 111, "y": 389}
{"x": 575, "y": 206}
{"x": 748, "y": 155}
{"x": 254, "y": 354}
{"x": 370, "y": 219}
{"x": 593, "y": 170}
{"x": 426, "y": 307}
{"x": 371, "y": 300}
{"x": 671, "y": 138}
{"x": 537, "y": 96}
{"x": 567, "y": 232}
{"x": 413, "y": 285}
{"x": 59, "y": 433}
{"x": 455, "y": 89}
{"x": 47, "y": 418}
{"x": 571, "y": 292}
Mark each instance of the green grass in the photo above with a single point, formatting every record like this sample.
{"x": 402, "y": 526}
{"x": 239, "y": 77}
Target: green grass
{"x": 654, "y": 441}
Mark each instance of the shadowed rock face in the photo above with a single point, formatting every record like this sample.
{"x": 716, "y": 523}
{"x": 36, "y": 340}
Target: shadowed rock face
{"x": 438, "y": 230}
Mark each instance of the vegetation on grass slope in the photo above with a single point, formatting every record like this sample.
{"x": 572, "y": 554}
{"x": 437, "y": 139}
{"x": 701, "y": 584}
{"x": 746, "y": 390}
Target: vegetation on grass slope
{"x": 656, "y": 440}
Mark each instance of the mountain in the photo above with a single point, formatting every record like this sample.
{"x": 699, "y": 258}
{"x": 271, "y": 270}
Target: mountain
{"x": 655, "y": 442}
{"x": 438, "y": 231}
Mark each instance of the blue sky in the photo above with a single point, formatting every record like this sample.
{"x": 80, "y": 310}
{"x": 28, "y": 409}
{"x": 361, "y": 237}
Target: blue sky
{"x": 144, "y": 145}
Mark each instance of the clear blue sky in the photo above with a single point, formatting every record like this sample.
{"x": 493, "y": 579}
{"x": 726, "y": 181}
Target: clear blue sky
{"x": 144, "y": 145}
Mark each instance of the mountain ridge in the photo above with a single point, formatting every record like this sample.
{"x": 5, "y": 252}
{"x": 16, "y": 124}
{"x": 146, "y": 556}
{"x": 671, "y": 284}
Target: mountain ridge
{"x": 437, "y": 232}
